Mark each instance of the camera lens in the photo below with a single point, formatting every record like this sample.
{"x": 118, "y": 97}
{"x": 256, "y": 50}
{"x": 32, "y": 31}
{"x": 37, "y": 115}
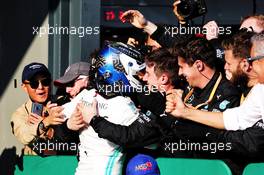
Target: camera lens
{"x": 184, "y": 8}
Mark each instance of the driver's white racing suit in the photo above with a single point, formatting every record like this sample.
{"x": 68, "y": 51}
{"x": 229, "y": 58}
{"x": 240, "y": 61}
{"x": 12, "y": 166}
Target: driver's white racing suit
{"x": 99, "y": 156}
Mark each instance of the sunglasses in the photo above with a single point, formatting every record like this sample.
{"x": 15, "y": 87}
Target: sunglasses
{"x": 34, "y": 84}
{"x": 251, "y": 59}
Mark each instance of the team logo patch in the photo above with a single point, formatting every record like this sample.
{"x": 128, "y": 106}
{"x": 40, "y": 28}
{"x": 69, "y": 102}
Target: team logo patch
{"x": 190, "y": 99}
{"x": 223, "y": 104}
{"x": 144, "y": 167}
{"x": 132, "y": 106}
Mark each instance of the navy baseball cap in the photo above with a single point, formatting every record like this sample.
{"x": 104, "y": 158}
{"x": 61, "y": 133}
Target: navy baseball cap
{"x": 33, "y": 69}
{"x": 142, "y": 165}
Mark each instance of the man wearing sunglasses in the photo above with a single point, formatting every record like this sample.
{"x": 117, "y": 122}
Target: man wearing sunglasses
{"x": 257, "y": 58}
{"x": 240, "y": 73}
{"x": 244, "y": 119}
{"x": 33, "y": 121}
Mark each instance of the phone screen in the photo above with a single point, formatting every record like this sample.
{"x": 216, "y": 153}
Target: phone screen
{"x": 37, "y": 108}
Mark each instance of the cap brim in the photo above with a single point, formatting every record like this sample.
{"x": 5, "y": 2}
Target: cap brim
{"x": 42, "y": 72}
{"x": 64, "y": 80}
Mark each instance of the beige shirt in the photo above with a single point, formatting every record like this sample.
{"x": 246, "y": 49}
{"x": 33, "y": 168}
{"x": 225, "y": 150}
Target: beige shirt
{"x": 25, "y": 132}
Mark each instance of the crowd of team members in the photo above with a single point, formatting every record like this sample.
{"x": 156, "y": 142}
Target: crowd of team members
{"x": 184, "y": 74}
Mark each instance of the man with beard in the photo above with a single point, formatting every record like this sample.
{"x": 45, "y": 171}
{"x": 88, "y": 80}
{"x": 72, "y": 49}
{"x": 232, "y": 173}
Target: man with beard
{"x": 244, "y": 124}
{"x": 237, "y": 69}
{"x": 241, "y": 74}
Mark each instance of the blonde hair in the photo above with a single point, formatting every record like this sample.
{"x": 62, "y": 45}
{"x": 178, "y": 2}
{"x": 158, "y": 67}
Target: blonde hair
{"x": 258, "y": 41}
{"x": 259, "y": 18}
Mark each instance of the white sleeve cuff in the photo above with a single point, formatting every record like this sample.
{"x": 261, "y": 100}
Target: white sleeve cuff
{"x": 230, "y": 118}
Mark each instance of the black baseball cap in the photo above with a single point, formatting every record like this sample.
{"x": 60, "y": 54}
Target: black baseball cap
{"x": 33, "y": 69}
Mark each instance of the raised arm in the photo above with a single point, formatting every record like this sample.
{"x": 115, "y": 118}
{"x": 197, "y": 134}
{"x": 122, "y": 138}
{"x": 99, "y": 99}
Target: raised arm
{"x": 138, "y": 20}
{"x": 177, "y": 108}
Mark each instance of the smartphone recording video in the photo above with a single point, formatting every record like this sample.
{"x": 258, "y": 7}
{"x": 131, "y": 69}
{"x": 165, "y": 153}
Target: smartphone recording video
{"x": 37, "y": 108}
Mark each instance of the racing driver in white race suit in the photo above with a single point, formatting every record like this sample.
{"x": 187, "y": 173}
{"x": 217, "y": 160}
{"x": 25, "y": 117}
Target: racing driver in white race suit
{"x": 115, "y": 72}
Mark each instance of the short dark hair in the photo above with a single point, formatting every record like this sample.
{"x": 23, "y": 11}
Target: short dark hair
{"x": 198, "y": 49}
{"x": 164, "y": 62}
{"x": 239, "y": 43}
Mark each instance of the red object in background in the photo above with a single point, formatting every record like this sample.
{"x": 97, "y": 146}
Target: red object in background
{"x": 120, "y": 13}
{"x": 109, "y": 15}
{"x": 200, "y": 35}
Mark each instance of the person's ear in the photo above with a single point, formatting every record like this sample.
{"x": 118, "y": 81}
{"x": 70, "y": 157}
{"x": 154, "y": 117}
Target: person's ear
{"x": 86, "y": 82}
{"x": 245, "y": 66}
{"x": 164, "y": 79}
{"x": 199, "y": 65}
{"x": 24, "y": 87}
